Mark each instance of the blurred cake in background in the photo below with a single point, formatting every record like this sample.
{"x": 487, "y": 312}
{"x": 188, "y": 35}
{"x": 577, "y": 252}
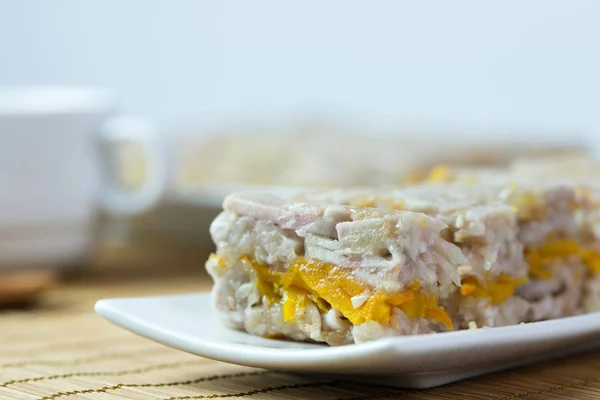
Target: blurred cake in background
{"x": 328, "y": 157}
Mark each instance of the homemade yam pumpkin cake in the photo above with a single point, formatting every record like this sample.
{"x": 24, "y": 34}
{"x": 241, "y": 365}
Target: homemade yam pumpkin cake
{"x": 351, "y": 266}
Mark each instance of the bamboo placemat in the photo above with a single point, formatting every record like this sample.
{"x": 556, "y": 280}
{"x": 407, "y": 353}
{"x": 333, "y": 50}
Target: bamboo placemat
{"x": 62, "y": 350}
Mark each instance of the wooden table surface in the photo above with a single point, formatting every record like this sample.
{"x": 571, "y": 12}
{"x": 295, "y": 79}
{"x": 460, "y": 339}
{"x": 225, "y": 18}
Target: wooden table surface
{"x": 61, "y": 349}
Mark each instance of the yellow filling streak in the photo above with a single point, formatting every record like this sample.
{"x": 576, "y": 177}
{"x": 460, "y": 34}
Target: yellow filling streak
{"x": 529, "y": 207}
{"x": 218, "y": 260}
{"x": 439, "y": 173}
{"x": 537, "y": 258}
{"x": 328, "y": 286}
{"x": 591, "y": 260}
{"x": 552, "y": 251}
{"x": 497, "y": 291}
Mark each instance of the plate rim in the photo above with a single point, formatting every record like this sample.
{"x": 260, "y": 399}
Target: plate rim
{"x": 393, "y": 347}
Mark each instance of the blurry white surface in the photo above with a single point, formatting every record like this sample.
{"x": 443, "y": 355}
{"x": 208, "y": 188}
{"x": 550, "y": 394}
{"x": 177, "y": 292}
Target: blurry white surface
{"x": 289, "y": 160}
{"x": 509, "y": 63}
{"x": 187, "y": 322}
{"x": 47, "y": 100}
{"x": 50, "y": 174}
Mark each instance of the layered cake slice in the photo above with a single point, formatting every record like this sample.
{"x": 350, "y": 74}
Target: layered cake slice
{"x": 352, "y": 266}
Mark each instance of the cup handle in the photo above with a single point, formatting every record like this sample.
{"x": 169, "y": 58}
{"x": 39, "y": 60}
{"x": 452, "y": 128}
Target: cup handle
{"x": 141, "y": 132}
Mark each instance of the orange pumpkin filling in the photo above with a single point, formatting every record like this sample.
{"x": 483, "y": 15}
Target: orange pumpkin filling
{"x": 550, "y": 252}
{"x": 537, "y": 258}
{"x": 329, "y": 286}
{"x": 497, "y": 291}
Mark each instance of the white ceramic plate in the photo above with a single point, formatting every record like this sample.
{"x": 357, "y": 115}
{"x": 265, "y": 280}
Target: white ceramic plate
{"x": 187, "y": 322}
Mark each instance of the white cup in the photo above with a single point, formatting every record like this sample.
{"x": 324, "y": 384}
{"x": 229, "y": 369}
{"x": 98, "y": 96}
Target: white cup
{"x": 57, "y": 161}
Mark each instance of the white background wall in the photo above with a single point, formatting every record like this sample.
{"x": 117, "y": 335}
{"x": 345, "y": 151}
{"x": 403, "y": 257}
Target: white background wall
{"x": 529, "y": 63}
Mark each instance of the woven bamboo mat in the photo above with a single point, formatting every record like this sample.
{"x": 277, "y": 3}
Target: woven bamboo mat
{"x": 62, "y": 350}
